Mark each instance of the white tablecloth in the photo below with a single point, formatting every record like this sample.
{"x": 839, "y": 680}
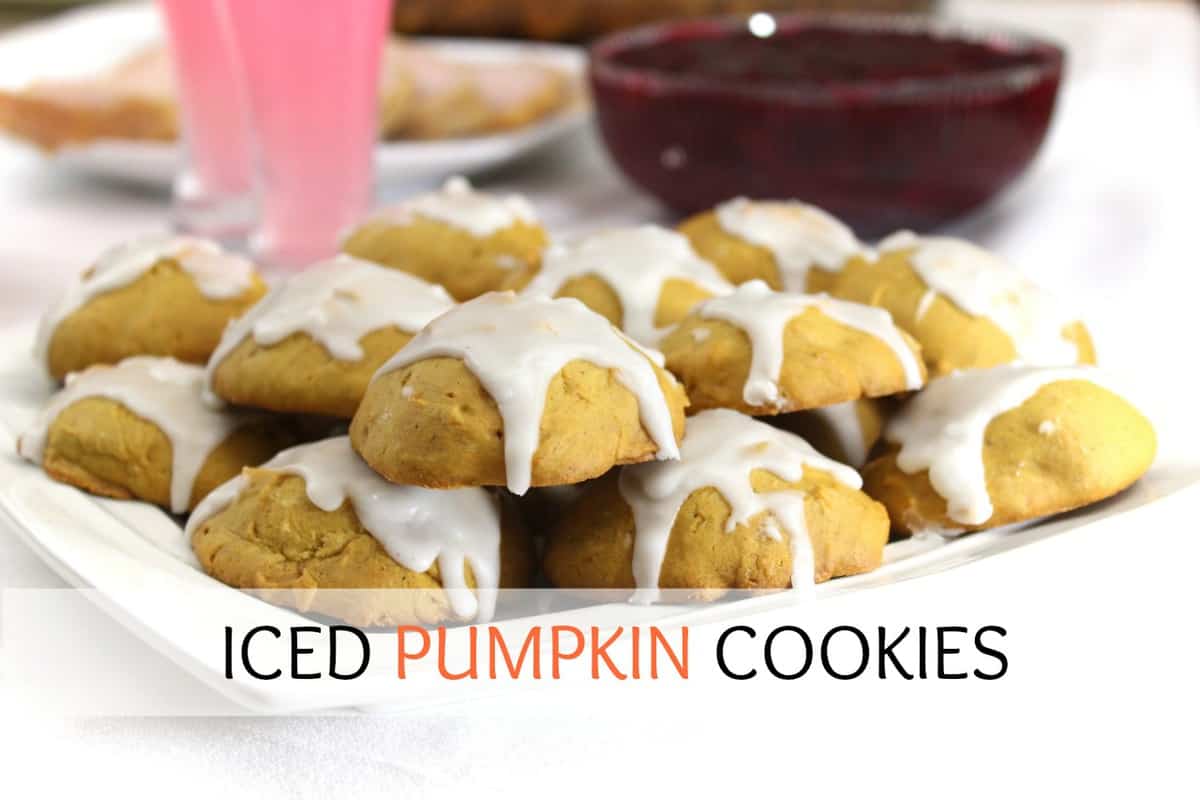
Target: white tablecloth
{"x": 1108, "y": 219}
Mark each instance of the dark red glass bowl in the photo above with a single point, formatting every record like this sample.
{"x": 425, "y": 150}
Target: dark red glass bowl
{"x": 886, "y": 121}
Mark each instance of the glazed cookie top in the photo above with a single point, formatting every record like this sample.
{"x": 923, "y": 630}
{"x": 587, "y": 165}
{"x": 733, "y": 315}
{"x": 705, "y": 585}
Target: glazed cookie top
{"x": 336, "y": 302}
{"x": 162, "y": 391}
{"x": 798, "y": 235}
{"x": 983, "y": 285}
{"x": 942, "y": 429}
{"x": 720, "y": 450}
{"x": 218, "y": 276}
{"x": 417, "y": 527}
{"x": 636, "y": 263}
{"x": 515, "y": 345}
{"x": 461, "y": 206}
{"x": 764, "y": 315}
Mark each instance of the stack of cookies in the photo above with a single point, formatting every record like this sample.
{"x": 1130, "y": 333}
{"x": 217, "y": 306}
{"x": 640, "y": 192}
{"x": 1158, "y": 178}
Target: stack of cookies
{"x": 756, "y": 400}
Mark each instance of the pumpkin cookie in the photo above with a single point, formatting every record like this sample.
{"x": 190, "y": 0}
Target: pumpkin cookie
{"x": 643, "y": 279}
{"x": 746, "y": 506}
{"x": 139, "y": 430}
{"x": 316, "y": 518}
{"x": 313, "y": 343}
{"x": 519, "y": 391}
{"x": 845, "y": 432}
{"x": 765, "y": 352}
{"x": 468, "y": 241}
{"x": 967, "y": 308}
{"x": 984, "y": 448}
{"x": 790, "y": 246}
{"x": 161, "y": 296}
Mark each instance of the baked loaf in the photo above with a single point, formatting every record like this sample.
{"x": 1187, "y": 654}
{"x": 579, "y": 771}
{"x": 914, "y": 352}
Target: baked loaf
{"x": 766, "y": 352}
{"x": 984, "y": 448}
{"x": 967, "y": 308}
{"x": 746, "y": 506}
{"x": 516, "y": 391}
{"x": 139, "y": 430}
{"x": 161, "y": 296}
{"x": 585, "y": 19}
{"x": 789, "y": 246}
{"x": 313, "y": 343}
{"x": 452, "y": 99}
{"x": 132, "y": 100}
{"x": 316, "y": 518}
{"x": 467, "y": 241}
{"x": 421, "y": 95}
{"x": 643, "y": 280}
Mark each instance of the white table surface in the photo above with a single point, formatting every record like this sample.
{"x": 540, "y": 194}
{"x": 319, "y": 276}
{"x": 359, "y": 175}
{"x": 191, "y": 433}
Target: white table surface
{"x": 1108, "y": 218}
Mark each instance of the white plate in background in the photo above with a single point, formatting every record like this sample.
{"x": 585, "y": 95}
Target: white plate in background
{"x": 87, "y": 40}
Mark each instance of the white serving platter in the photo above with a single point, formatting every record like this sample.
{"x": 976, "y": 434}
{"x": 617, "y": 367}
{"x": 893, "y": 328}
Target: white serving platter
{"x": 135, "y": 564}
{"x": 85, "y": 41}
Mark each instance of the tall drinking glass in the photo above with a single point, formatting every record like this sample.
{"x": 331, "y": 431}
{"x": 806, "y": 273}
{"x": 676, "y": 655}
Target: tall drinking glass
{"x": 311, "y": 70}
{"x": 213, "y": 193}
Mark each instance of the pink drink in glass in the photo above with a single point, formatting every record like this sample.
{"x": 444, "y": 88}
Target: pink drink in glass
{"x": 213, "y": 192}
{"x": 311, "y": 70}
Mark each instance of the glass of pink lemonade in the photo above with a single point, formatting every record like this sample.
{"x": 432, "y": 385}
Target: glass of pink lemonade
{"x": 213, "y": 191}
{"x": 311, "y": 73}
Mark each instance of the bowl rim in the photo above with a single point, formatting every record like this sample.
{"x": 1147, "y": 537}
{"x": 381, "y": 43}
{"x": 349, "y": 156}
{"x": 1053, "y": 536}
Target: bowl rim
{"x": 1047, "y": 58}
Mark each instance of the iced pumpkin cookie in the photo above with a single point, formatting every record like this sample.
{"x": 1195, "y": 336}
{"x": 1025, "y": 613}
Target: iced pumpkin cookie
{"x": 967, "y": 308}
{"x": 845, "y": 432}
{"x": 643, "y": 279}
{"x": 984, "y": 448}
{"x": 766, "y": 352}
{"x": 313, "y": 343}
{"x": 517, "y": 391}
{"x": 316, "y": 518}
{"x": 162, "y": 296}
{"x": 789, "y": 245}
{"x": 468, "y": 241}
{"x": 140, "y": 430}
{"x": 746, "y": 506}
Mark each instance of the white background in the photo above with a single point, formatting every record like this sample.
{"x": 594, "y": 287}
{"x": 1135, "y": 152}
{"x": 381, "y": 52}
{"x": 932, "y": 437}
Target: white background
{"x": 1101, "y": 698}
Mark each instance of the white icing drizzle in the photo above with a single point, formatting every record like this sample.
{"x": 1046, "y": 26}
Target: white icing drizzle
{"x": 636, "y": 263}
{"x": 846, "y": 427}
{"x": 984, "y": 285}
{"x": 720, "y": 450}
{"x": 800, "y": 236}
{"x": 417, "y": 527}
{"x": 218, "y": 276}
{"x": 925, "y": 302}
{"x": 516, "y": 344}
{"x": 900, "y": 240}
{"x": 162, "y": 391}
{"x": 460, "y": 205}
{"x": 764, "y": 315}
{"x": 941, "y": 429}
{"x": 336, "y": 302}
